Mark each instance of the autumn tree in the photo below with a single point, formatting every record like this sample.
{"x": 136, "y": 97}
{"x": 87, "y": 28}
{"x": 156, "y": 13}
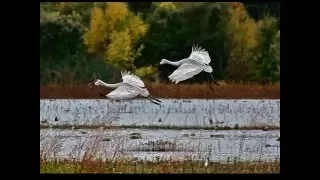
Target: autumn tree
{"x": 242, "y": 32}
{"x": 114, "y": 32}
{"x": 83, "y": 40}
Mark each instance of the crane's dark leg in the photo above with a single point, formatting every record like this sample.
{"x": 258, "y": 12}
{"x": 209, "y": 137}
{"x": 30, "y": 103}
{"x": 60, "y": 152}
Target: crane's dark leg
{"x": 214, "y": 81}
{"x": 210, "y": 86}
{"x": 154, "y": 99}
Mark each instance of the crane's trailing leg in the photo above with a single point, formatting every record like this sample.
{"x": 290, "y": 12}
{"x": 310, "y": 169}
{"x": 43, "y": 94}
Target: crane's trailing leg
{"x": 214, "y": 81}
{"x": 154, "y": 99}
{"x": 210, "y": 86}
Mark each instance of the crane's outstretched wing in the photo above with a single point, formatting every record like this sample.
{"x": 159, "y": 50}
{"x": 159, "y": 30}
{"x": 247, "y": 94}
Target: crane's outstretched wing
{"x": 122, "y": 92}
{"x": 185, "y": 71}
{"x": 132, "y": 79}
{"x": 200, "y": 54}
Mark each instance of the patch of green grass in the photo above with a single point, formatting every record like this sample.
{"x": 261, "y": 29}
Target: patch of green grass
{"x": 163, "y": 166}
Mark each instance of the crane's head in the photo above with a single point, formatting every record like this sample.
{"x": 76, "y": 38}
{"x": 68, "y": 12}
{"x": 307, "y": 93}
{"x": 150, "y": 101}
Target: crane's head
{"x": 145, "y": 92}
{"x": 208, "y": 69}
{"x": 164, "y": 61}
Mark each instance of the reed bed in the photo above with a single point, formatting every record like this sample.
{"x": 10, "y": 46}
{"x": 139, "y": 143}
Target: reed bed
{"x": 161, "y": 90}
{"x": 148, "y": 167}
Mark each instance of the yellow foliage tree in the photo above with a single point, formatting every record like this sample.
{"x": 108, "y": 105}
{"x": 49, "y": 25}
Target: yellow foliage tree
{"x": 242, "y": 40}
{"x": 137, "y": 28}
{"x": 167, "y": 5}
{"x": 117, "y": 31}
{"x": 147, "y": 73}
{"x": 95, "y": 37}
{"x": 115, "y": 13}
{"x": 119, "y": 50}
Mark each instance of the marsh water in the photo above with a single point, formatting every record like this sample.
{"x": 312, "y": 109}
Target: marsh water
{"x": 172, "y": 112}
{"x": 219, "y": 146}
{"x": 153, "y": 144}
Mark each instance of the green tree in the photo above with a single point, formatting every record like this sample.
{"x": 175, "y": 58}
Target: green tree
{"x": 268, "y": 57}
{"x": 62, "y": 55}
{"x": 59, "y": 34}
{"x": 258, "y": 10}
{"x": 173, "y": 31}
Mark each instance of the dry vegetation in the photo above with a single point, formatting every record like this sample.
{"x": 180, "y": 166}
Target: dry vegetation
{"x": 98, "y": 155}
{"x": 133, "y": 166}
{"x": 224, "y": 91}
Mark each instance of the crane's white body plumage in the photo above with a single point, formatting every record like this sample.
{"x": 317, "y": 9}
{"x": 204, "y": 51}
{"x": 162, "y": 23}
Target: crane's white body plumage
{"x": 200, "y": 54}
{"x": 197, "y": 62}
{"x": 129, "y": 78}
{"x": 123, "y": 92}
{"x": 130, "y": 87}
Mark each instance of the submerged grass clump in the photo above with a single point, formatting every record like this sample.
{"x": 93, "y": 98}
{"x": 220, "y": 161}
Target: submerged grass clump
{"x": 68, "y": 126}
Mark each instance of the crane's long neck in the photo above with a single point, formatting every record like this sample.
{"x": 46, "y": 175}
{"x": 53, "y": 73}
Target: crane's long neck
{"x": 113, "y": 86}
{"x": 176, "y": 63}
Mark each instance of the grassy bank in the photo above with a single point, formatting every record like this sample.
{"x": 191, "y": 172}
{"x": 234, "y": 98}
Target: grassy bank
{"x": 67, "y": 126}
{"x": 131, "y": 166}
{"x": 224, "y": 91}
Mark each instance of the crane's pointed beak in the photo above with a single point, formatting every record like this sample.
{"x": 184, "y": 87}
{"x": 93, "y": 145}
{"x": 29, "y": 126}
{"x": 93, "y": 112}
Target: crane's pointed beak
{"x": 92, "y": 84}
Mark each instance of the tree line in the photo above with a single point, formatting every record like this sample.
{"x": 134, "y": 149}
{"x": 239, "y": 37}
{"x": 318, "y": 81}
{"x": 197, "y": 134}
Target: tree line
{"x": 84, "y": 40}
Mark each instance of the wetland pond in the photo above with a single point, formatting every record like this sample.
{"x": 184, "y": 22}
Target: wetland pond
{"x": 155, "y": 144}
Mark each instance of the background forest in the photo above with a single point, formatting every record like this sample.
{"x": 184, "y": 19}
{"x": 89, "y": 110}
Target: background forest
{"x": 84, "y": 40}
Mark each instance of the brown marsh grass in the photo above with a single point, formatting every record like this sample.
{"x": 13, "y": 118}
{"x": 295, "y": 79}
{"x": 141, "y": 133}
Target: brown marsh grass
{"x": 147, "y": 167}
{"x": 161, "y": 90}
